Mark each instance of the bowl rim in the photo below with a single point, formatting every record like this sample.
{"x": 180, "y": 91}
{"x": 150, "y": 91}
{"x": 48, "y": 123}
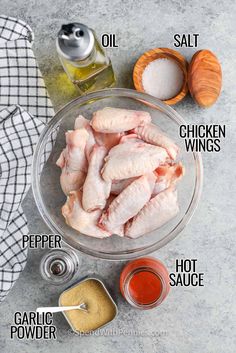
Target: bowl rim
{"x": 35, "y": 174}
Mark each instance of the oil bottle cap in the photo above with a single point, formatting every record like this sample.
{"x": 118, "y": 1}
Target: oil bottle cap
{"x": 75, "y": 41}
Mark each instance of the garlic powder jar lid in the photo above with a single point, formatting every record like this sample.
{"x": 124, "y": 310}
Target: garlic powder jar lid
{"x": 75, "y": 41}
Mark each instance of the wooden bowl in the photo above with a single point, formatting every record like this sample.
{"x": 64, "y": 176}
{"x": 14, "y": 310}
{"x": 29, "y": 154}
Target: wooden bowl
{"x": 158, "y": 53}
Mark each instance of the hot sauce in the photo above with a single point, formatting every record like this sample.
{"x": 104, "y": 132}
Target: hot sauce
{"x": 144, "y": 283}
{"x": 145, "y": 287}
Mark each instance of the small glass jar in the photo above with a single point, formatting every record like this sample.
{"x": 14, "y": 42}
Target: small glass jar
{"x": 144, "y": 283}
{"x": 59, "y": 266}
{"x": 83, "y": 58}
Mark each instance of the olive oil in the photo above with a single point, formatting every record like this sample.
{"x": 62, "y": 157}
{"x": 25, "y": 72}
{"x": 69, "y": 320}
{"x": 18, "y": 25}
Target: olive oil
{"x": 83, "y": 59}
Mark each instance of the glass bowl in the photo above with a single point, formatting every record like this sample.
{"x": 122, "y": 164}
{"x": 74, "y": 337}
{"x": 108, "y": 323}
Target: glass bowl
{"x": 49, "y": 197}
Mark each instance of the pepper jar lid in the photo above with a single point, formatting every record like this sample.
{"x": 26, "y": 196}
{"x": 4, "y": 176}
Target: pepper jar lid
{"x": 75, "y": 41}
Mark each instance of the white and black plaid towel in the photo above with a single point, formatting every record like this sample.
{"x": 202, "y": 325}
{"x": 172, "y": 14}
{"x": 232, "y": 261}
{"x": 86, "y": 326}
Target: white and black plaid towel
{"x": 25, "y": 107}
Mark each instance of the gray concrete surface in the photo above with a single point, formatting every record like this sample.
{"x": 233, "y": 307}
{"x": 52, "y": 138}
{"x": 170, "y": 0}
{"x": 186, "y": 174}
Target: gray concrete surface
{"x": 191, "y": 319}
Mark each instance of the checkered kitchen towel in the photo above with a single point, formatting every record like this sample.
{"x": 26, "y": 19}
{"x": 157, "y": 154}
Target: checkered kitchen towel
{"x": 24, "y": 109}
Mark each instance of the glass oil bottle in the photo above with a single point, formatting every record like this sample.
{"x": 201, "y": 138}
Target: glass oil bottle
{"x": 83, "y": 58}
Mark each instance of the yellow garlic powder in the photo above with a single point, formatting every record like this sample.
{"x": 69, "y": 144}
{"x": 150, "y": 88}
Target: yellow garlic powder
{"x": 101, "y": 308}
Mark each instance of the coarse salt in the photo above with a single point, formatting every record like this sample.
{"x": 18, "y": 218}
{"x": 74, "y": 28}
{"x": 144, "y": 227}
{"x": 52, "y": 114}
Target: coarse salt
{"x": 162, "y": 78}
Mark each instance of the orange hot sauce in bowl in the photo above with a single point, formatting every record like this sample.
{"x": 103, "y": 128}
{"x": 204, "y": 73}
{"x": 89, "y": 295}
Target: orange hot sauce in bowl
{"x": 144, "y": 283}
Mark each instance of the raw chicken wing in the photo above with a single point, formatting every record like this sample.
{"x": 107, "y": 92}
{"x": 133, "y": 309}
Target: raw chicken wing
{"x": 72, "y": 160}
{"x": 153, "y": 134}
{"x": 112, "y": 120}
{"x": 130, "y": 138}
{"x": 81, "y": 220}
{"x": 118, "y": 186}
{"x": 75, "y": 150}
{"x": 119, "y": 230}
{"x": 95, "y": 190}
{"x": 132, "y": 159}
{"x": 166, "y": 175}
{"x": 107, "y": 140}
{"x": 71, "y": 180}
{"x": 158, "y": 211}
{"x": 128, "y": 203}
{"x": 81, "y": 122}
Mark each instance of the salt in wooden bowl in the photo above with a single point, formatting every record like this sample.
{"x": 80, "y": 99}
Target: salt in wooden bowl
{"x": 159, "y": 53}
